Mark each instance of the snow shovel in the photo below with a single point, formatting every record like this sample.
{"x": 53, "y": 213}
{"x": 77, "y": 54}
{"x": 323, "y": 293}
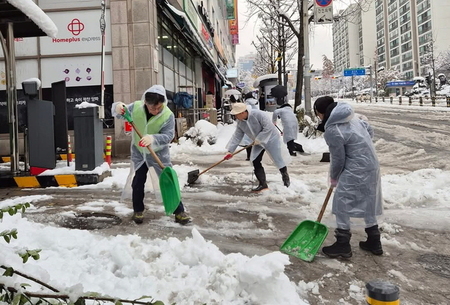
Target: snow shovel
{"x": 193, "y": 175}
{"x": 305, "y": 241}
{"x": 325, "y": 157}
{"x": 281, "y": 132}
{"x": 168, "y": 180}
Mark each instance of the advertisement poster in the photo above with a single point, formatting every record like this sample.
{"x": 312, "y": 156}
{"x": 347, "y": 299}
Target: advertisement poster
{"x": 78, "y": 32}
{"x": 76, "y": 71}
{"x": 230, "y": 9}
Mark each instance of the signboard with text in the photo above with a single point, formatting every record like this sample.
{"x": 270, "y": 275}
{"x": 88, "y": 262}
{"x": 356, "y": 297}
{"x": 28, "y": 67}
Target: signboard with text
{"x": 78, "y": 32}
{"x": 323, "y": 11}
{"x": 355, "y": 72}
{"x": 402, "y": 83}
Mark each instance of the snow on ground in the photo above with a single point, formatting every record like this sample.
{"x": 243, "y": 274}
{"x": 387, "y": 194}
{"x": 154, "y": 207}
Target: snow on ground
{"x": 194, "y": 270}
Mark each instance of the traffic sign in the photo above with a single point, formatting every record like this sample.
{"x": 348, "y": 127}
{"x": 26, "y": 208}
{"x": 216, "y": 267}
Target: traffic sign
{"x": 355, "y": 72}
{"x": 323, "y": 11}
{"x": 323, "y": 3}
{"x": 401, "y": 83}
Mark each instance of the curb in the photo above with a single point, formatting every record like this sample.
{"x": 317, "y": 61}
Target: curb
{"x": 7, "y": 159}
{"x": 55, "y": 180}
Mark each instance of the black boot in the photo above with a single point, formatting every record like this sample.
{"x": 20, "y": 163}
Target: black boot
{"x": 285, "y": 176}
{"x": 261, "y": 176}
{"x": 341, "y": 247}
{"x": 373, "y": 243}
{"x": 299, "y": 147}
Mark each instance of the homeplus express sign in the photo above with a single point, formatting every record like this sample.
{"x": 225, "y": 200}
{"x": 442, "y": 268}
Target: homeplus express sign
{"x": 78, "y": 32}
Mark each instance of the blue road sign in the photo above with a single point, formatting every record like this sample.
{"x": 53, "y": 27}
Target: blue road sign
{"x": 323, "y": 3}
{"x": 355, "y": 72}
{"x": 402, "y": 83}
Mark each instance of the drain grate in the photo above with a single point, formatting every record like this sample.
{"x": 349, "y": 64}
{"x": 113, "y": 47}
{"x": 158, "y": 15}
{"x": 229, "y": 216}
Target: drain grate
{"x": 437, "y": 263}
{"x": 91, "y": 221}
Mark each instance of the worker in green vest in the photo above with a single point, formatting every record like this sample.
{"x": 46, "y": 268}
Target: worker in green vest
{"x": 156, "y": 122}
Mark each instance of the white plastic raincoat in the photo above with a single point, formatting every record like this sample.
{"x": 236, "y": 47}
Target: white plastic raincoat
{"x": 354, "y": 164}
{"x": 253, "y": 103}
{"x": 289, "y": 121}
{"x": 161, "y": 139}
{"x": 260, "y": 128}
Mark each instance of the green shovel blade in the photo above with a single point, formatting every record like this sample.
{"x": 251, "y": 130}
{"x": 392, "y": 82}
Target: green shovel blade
{"x": 305, "y": 241}
{"x": 170, "y": 190}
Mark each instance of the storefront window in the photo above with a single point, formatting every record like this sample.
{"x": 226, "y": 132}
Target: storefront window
{"x": 176, "y": 58}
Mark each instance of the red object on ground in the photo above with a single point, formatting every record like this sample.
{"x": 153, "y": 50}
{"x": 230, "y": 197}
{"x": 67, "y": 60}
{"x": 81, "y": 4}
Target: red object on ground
{"x": 34, "y": 171}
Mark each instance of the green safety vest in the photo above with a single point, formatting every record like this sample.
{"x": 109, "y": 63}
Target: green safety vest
{"x": 151, "y": 126}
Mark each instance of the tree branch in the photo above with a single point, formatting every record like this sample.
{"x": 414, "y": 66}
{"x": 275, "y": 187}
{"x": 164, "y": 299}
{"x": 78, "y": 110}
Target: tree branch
{"x": 66, "y": 297}
{"x": 32, "y": 279}
{"x": 291, "y": 25}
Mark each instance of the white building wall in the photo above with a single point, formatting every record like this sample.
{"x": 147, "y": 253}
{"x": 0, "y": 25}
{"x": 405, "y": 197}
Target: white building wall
{"x": 440, "y": 16}
{"x": 368, "y": 21}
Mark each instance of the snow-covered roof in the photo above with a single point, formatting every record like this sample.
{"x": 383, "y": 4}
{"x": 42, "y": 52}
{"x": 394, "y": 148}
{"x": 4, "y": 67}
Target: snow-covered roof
{"x": 37, "y": 15}
{"x": 264, "y": 77}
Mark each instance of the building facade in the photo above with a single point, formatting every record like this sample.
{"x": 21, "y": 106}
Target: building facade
{"x": 185, "y": 45}
{"x": 408, "y": 33}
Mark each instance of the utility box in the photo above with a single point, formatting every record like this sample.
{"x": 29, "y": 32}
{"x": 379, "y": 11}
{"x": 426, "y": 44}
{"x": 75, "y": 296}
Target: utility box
{"x": 88, "y": 131}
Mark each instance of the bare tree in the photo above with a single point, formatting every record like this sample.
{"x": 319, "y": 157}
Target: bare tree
{"x": 284, "y": 14}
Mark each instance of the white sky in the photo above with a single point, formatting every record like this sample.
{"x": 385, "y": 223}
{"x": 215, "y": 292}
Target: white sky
{"x": 194, "y": 270}
{"x": 321, "y": 39}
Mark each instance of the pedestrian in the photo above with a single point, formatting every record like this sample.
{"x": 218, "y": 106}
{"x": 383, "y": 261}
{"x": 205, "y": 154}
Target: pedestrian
{"x": 246, "y": 141}
{"x": 257, "y": 126}
{"x": 355, "y": 172}
{"x": 156, "y": 122}
{"x": 262, "y": 101}
{"x": 290, "y": 127}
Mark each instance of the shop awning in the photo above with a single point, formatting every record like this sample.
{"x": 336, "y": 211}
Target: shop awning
{"x": 28, "y": 20}
{"x": 191, "y": 34}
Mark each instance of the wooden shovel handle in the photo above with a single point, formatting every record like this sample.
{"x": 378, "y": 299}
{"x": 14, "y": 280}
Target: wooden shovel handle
{"x": 217, "y": 163}
{"x": 324, "y": 206}
{"x": 152, "y": 152}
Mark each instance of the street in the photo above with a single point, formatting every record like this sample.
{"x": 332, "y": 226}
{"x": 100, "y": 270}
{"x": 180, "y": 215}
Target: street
{"x": 417, "y": 254}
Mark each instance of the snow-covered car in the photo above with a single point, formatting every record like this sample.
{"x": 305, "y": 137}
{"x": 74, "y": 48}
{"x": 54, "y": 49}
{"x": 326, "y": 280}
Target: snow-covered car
{"x": 445, "y": 91}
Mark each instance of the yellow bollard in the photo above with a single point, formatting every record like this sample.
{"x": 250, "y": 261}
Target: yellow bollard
{"x": 108, "y": 149}
{"x": 379, "y": 292}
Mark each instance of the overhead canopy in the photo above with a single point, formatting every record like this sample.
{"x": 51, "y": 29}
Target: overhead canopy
{"x": 264, "y": 78}
{"x": 191, "y": 33}
{"x": 18, "y": 12}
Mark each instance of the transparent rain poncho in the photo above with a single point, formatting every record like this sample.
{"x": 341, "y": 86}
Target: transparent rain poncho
{"x": 260, "y": 128}
{"x": 289, "y": 121}
{"x": 354, "y": 164}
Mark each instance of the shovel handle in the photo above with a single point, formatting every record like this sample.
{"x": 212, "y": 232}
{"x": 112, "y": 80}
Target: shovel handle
{"x": 278, "y": 129}
{"x": 324, "y": 206}
{"x": 217, "y": 163}
{"x": 127, "y": 116}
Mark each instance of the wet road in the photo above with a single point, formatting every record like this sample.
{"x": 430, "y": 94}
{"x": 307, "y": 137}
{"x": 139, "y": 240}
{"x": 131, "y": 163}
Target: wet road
{"x": 235, "y": 220}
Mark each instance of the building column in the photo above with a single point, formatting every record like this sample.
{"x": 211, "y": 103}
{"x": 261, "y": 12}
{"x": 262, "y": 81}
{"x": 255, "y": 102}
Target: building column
{"x": 134, "y": 56}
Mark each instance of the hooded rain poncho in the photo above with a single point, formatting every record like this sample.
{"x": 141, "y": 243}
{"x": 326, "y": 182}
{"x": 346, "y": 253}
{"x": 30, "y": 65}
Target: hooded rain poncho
{"x": 354, "y": 164}
{"x": 163, "y": 134}
{"x": 289, "y": 121}
{"x": 258, "y": 127}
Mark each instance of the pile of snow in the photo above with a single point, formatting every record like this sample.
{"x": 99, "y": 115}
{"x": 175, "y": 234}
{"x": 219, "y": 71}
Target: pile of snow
{"x": 202, "y": 132}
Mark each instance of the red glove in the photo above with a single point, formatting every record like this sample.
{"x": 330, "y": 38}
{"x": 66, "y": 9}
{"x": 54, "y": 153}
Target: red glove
{"x": 228, "y": 156}
{"x": 333, "y": 182}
